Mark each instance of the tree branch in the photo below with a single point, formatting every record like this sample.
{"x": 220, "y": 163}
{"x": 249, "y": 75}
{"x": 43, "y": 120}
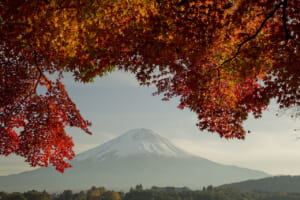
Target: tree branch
{"x": 288, "y": 36}
{"x": 39, "y": 69}
{"x": 253, "y": 36}
{"x": 41, "y": 74}
{"x": 34, "y": 88}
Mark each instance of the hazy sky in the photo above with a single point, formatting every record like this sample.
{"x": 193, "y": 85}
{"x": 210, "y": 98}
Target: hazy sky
{"x": 116, "y": 104}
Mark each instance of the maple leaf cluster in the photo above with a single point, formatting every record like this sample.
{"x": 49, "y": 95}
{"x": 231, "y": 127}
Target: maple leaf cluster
{"x": 224, "y": 59}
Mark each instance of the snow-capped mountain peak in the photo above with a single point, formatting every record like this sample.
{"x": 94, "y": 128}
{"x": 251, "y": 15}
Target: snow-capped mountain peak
{"x": 133, "y": 142}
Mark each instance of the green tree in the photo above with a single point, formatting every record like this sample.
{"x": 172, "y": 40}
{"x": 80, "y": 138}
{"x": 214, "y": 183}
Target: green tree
{"x": 139, "y": 187}
{"x": 16, "y": 196}
{"x": 67, "y": 195}
{"x": 95, "y": 193}
{"x": 110, "y": 195}
{"x": 80, "y": 196}
{"x": 35, "y": 195}
{"x": 3, "y": 195}
{"x": 209, "y": 188}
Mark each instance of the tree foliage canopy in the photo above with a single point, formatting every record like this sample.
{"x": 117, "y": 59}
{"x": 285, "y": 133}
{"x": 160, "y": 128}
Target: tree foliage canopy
{"x": 224, "y": 59}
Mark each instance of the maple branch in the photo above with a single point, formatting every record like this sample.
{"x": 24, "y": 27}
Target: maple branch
{"x": 219, "y": 79}
{"x": 40, "y": 71}
{"x": 288, "y": 36}
{"x": 219, "y": 85}
{"x": 41, "y": 74}
{"x": 253, "y": 36}
{"x": 34, "y": 88}
{"x": 46, "y": 79}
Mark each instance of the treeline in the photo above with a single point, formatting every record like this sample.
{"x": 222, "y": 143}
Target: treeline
{"x": 92, "y": 194}
{"x": 155, "y": 193}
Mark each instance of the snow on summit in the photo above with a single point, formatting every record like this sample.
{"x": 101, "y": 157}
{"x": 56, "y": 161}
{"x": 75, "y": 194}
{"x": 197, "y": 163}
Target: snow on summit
{"x": 133, "y": 142}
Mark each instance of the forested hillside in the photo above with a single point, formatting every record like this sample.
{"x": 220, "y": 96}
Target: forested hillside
{"x": 270, "y": 184}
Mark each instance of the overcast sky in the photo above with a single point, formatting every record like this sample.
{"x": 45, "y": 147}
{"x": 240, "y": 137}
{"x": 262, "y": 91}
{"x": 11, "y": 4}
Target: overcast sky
{"x": 116, "y": 104}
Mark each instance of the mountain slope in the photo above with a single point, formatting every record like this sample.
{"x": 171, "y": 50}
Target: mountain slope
{"x": 138, "y": 156}
{"x": 270, "y": 184}
{"x": 133, "y": 142}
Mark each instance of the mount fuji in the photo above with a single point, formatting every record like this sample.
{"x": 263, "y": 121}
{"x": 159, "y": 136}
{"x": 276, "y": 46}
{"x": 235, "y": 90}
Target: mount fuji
{"x": 139, "y": 156}
{"x": 132, "y": 143}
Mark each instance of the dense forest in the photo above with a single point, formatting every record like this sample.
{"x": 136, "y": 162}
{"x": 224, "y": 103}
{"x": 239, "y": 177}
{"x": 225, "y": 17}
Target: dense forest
{"x": 155, "y": 193}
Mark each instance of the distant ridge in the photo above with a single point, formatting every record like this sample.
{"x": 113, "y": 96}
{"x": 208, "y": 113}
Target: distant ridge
{"x": 270, "y": 184}
{"x": 139, "y": 156}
